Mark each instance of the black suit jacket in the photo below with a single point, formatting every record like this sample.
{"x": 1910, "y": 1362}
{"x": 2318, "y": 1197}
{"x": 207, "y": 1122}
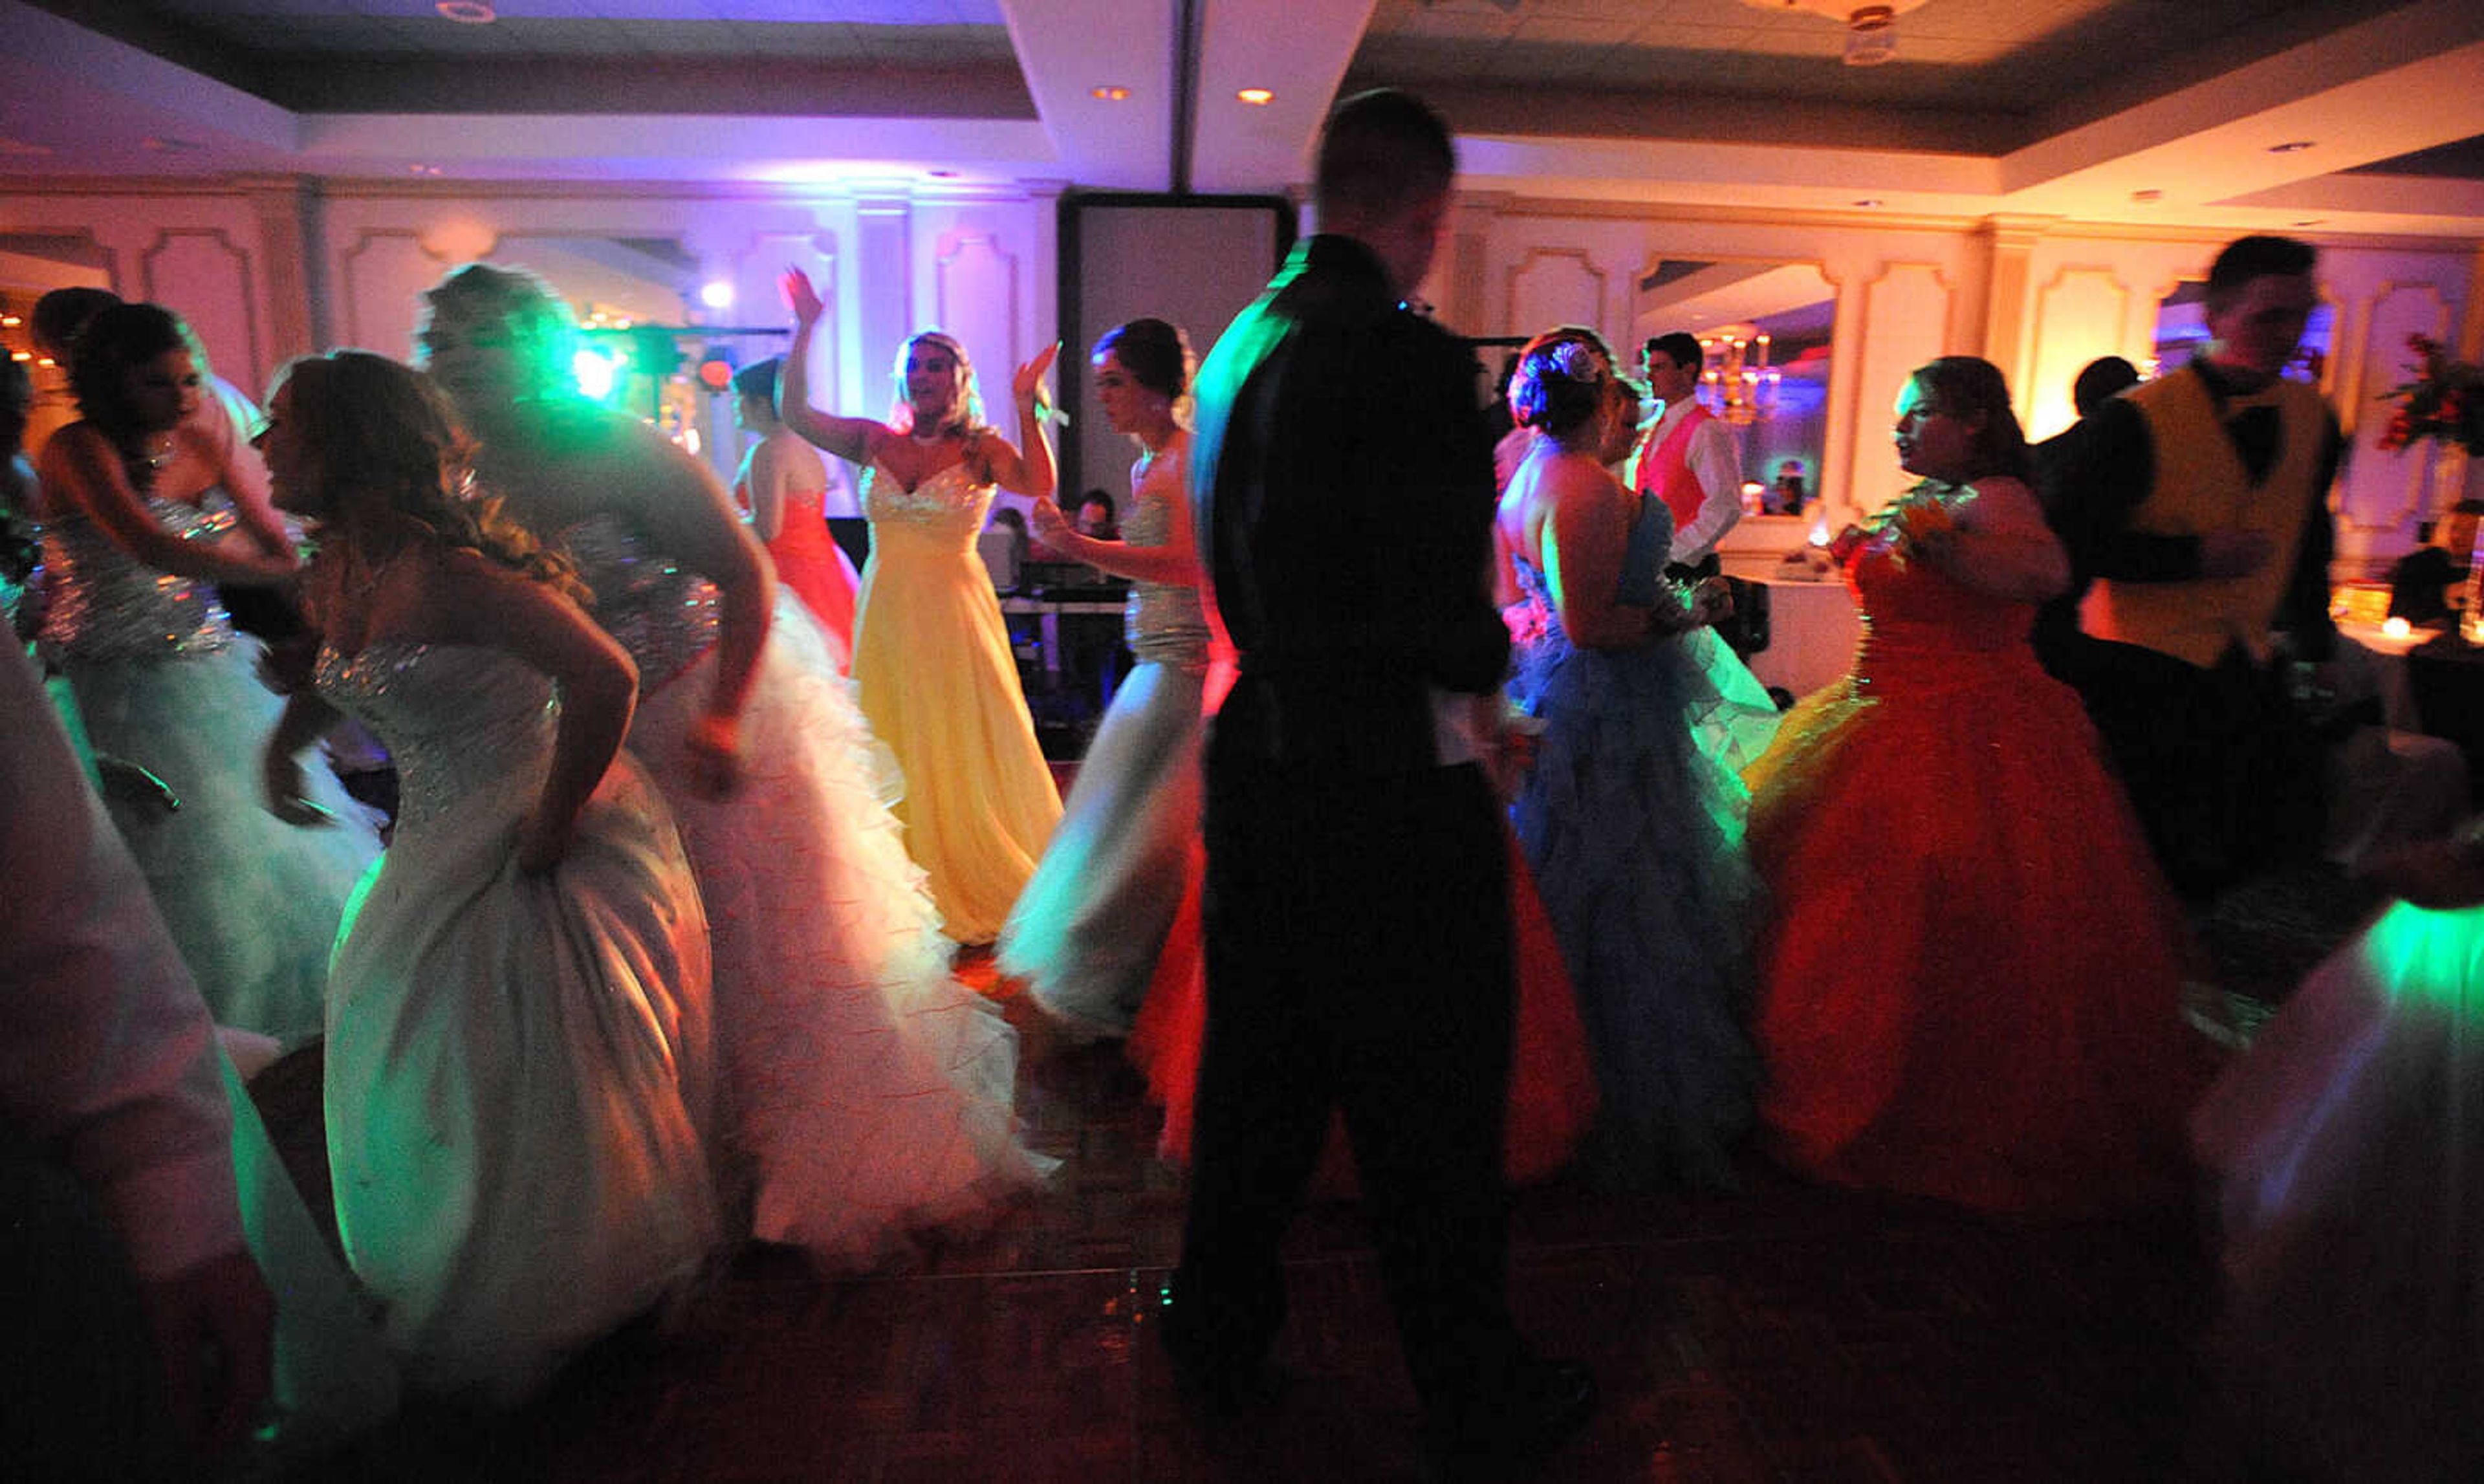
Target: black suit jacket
{"x": 1343, "y": 491}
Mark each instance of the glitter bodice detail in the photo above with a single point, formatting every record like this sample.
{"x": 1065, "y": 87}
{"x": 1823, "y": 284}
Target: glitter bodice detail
{"x": 1542, "y": 644}
{"x": 108, "y": 605}
{"x": 470, "y": 730}
{"x": 1165, "y": 624}
{"x": 1925, "y": 630}
{"x": 947, "y": 508}
{"x": 664, "y": 614}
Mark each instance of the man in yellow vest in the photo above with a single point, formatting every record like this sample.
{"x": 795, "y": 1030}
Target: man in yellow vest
{"x": 2198, "y": 504}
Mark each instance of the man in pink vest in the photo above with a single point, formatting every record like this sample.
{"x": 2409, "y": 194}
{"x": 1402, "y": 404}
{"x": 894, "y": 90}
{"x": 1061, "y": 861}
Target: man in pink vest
{"x": 2198, "y": 504}
{"x": 1686, "y": 457}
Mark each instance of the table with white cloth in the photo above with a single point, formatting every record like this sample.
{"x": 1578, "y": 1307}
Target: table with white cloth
{"x": 1813, "y": 626}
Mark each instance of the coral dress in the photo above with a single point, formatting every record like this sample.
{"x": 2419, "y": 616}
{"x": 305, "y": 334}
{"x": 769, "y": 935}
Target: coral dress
{"x": 2349, "y": 1148}
{"x": 866, "y": 1094}
{"x": 807, "y": 558}
{"x": 1632, "y": 826}
{"x": 939, "y": 682}
{"x": 1970, "y": 981}
{"x": 1087, "y": 930}
{"x": 518, "y": 1066}
{"x": 164, "y": 683}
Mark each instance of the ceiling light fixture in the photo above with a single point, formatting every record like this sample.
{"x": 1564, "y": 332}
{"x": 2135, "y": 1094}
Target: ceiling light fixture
{"x": 1869, "y": 201}
{"x": 467, "y": 13}
{"x": 1256, "y": 97}
{"x": 1108, "y": 93}
{"x": 1871, "y": 28}
{"x": 2147, "y": 197}
{"x": 2291, "y": 147}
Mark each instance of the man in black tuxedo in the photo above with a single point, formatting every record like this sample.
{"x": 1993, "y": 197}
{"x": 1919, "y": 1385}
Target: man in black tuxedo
{"x": 1358, "y": 942}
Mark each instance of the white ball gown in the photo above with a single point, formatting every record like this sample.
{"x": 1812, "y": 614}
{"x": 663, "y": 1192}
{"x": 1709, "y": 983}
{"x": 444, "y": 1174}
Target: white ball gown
{"x": 867, "y": 1094}
{"x": 2348, "y": 1147}
{"x": 516, "y": 1065}
{"x": 164, "y": 683}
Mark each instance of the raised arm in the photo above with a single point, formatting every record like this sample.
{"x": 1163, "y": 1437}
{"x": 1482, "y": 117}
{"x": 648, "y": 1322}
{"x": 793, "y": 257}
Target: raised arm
{"x": 1029, "y": 472}
{"x": 847, "y": 438}
{"x": 83, "y": 472}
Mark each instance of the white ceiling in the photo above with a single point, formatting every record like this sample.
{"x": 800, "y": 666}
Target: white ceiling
{"x": 2073, "y": 108}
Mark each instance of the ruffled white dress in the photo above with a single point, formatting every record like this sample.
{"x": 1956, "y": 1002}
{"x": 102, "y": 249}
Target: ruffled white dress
{"x": 866, "y": 1094}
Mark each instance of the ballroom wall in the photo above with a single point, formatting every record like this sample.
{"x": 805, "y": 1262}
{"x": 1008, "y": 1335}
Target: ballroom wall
{"x": 2038, "y": 298}
{"x": 268, "y": 268}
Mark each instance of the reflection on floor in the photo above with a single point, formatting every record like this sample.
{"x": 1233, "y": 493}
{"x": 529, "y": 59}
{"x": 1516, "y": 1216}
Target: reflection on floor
{"x": 1783, "y": 1333}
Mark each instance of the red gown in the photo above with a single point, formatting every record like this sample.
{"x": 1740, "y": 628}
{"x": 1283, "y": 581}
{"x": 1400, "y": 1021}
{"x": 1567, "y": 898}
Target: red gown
{"x": 1970, "y": 984}
{"x": 1552, "y": 1088}
{"x": 809, "y": 562}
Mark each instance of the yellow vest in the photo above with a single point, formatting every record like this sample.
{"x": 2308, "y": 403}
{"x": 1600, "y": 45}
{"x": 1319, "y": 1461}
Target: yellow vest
{"x": 2201, "y": 486}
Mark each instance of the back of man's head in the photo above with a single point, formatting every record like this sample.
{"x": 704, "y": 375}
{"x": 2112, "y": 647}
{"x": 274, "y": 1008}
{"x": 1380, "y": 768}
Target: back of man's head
{"x": 59, "y": 315}
{"x": 1381, "y": 154}
{"x": 2246, "y": 258}
{"x": 2100, "y": 381}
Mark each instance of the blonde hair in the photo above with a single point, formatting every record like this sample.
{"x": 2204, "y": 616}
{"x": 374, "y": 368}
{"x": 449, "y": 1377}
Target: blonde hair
{"x": 966, "y": 417}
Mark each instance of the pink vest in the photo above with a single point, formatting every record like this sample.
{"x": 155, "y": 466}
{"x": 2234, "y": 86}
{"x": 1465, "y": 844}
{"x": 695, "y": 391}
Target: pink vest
{"x": 1664, "y": 471}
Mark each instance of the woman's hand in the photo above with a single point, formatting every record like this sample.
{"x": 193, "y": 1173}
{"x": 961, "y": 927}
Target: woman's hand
{"x": 1027, "y": 386}
{"x": 280, "y": 780}
{"x": 1712, "y": 602}
{"x": 799, "y": 293}
{"x": 1050, "y": 524}
{"x": 542, "y": 842}
{"x": 715, "y": 755}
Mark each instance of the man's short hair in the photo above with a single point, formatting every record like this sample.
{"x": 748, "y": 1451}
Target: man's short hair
{"x": 59, "y": 315}
{"x": 2246, "y": 258}
{"x": 1679, "y": 346}
{"x": 2100, "y": 381}
{"x": 1381, "y": 152}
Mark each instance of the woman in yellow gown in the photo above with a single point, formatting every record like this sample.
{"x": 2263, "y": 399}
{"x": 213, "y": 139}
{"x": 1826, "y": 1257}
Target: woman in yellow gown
{"x": 931, "y": 652}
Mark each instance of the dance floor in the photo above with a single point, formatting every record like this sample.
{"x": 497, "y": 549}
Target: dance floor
{"x": 1779, "y": 1333}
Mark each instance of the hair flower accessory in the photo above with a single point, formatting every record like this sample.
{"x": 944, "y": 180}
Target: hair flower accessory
{"x": 2444, "y": 402}
{"x": 1577, "y": 360}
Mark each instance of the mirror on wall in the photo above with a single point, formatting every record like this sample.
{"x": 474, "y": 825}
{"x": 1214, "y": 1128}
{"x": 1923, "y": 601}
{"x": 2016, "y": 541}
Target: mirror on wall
{"x": 650, "y": 345}
{"x": 1765, "y": 328}
{"x": 2182, "y": 332}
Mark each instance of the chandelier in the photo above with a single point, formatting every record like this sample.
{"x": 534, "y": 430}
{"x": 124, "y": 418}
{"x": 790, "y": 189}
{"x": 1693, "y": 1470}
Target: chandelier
{"x": 1735, "y": 381}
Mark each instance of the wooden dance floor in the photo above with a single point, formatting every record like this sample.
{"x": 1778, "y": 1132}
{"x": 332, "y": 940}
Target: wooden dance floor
{"x": 1781, "y": 1332}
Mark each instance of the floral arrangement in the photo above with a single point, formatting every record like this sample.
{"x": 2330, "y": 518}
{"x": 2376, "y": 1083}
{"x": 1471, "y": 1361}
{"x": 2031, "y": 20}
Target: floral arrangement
{"x": 2444, "y": 402}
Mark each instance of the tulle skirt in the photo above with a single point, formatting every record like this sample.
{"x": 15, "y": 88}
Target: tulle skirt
{"x": 1086, "y": 933}
{"x": 253, "y": 901}
{"x": 1633, "y": 826}
{"x": 2348, "y": 1144}
{"x": 868, "y": 1093}
{"x": 1971, "y": 980}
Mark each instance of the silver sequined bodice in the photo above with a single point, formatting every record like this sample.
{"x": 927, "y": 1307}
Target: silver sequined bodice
{"x": 946, "y": 509}
{"x": 664, "y": 614}
{"x": 1165, "y": 624}
{"x": 107, "y": 604}
{"x": 470, "y": 730}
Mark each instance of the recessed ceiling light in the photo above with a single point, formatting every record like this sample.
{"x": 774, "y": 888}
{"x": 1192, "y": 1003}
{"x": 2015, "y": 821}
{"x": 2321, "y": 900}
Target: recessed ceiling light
{"x": 1869, "y": 200}
{"x": 1256, "y": 97}
{"x": 716, "y": 294}
{"x": 424, "y": 170}
{"x": 169, "y": 145}
{"x": 2311, "y": 221}
{"x": 1108, "y": 93}
{"x": 2291, "y": 147}
{"x": 941, "y": 174}
{"x": 2147, "y": 197}
{"x": 469, "y": 12}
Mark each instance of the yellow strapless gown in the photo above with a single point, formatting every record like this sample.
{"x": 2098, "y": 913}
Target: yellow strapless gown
{"x": 931, "y": 659}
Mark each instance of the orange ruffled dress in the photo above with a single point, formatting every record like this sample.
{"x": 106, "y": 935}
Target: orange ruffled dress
{"x": 1970, "y": 986}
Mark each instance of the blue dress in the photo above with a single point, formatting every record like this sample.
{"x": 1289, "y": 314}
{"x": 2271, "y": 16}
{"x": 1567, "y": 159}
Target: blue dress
{"x": 1632, "y": 820}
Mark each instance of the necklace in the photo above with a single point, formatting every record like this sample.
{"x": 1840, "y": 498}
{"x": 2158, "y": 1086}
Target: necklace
{"x": 160, "y": 450}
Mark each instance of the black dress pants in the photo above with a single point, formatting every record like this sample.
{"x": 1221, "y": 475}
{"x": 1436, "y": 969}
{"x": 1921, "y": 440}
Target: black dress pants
{"x": 1359, "y": 961}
